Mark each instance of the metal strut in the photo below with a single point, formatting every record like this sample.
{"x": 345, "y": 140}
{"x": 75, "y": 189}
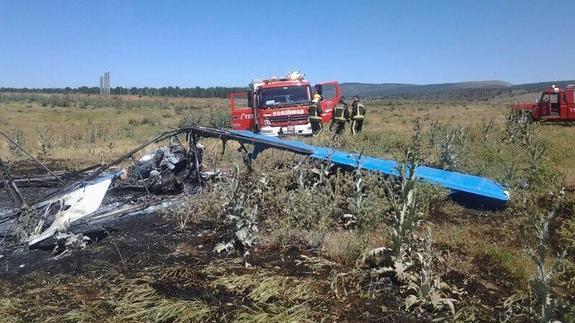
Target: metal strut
{"x": 10, "y": 186}
{"x": 193, "y": 148}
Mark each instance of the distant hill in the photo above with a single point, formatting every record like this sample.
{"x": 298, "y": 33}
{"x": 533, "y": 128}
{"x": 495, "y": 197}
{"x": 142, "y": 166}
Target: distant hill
{"x": 536, "y": 87}
{"x": 371, "y": 89}
{"x": 472, "y": 90}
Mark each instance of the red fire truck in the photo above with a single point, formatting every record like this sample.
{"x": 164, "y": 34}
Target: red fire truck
{"x": 555, "y": 104}
{"x": 279, "y": 106}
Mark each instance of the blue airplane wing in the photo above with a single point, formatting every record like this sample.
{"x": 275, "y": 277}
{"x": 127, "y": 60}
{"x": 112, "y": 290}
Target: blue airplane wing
{"x": 454, "y": 181}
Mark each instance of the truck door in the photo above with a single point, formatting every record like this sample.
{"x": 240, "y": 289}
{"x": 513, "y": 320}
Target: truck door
{"x": 555, "y": 105}
{"x": 545, "y": 105}
{"x": 241, "y": 112}
{"x": 330, "y": 93}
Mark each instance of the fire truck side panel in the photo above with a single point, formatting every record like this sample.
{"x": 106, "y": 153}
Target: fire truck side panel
{"x": 570, "y": 102}
{"x": 242, "y": 116}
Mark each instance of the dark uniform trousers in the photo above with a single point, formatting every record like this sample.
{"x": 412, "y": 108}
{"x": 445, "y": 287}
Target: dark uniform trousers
{"x": 356, "y": 126}
{"x": 339, "y": 127}
{"x": 316, "y": 126}
{"x": 357, "y": 115}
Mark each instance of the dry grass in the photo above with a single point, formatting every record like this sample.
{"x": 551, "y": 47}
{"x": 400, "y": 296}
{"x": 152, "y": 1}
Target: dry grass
{"x": 91, "y": 134}
{"x": 263, "y": 287}
{"x": 143, "y": 304}
{"x": 275, "y": 313}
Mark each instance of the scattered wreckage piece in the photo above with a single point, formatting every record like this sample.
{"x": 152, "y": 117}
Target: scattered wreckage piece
{"x": 36, "y": 181}
{"x": 169, "y": 169}
{"x": 10, "y": 186}
{"x": 71, "y": 206}
{"x": 112, "y": 216}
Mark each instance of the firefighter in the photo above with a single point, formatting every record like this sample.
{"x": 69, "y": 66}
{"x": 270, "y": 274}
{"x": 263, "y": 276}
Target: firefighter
{"x": 315, "y": 116}
{"x": 357, "y": 115}
{"x": 339, "y": 117}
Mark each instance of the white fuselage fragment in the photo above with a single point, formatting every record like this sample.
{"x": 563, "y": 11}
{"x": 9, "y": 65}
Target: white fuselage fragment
{"x": 74, "y": 205}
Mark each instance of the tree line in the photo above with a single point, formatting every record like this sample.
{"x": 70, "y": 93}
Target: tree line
{"x": 194, "y": 92}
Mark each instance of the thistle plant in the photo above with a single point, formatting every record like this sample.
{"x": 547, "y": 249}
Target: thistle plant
{"x": 45, "y": 140}
{"x": 434, "y": 133}
{"x": 449, "y": 143}
{"x": 526, "y": 142}
{"x": 18, "y": 138}
{"x": 487, "y": 128}
{"x": 516, "y": 123}
{"x": 427, "y": 289}
{"x": 240, "y": 216}
{"x": 356, "y": 200}
{"x": 451, "y": 147}
{"x": 538, "y": 252}
{"x": 404, "y": 197}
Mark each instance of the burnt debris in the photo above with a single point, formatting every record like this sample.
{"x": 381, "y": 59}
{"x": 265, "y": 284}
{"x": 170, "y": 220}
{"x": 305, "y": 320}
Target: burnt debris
{"x": 170, "y": 169}
{"x": 95, "y": 198}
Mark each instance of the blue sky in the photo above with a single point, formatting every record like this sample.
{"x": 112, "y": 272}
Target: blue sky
{"x": 205, "y": 43}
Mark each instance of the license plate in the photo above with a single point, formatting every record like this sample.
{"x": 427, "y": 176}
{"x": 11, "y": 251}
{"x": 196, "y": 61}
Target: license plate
{"x": 290, "y": 129}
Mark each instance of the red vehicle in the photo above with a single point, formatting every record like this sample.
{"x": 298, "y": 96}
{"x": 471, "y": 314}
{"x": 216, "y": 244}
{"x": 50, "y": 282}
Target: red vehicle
{"x": 279, "y": 106}
{"x": 555, "y": 104}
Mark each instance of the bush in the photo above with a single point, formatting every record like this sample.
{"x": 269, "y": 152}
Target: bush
{"x": 18, "y": 138}
{"x": 345, "y": 247}
{"x": 45, "y": 140}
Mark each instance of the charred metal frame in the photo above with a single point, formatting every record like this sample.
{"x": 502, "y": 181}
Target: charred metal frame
{"x": 10, "y": 186}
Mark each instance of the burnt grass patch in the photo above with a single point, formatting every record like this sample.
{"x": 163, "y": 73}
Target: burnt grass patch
{"x": 148, "y": 250}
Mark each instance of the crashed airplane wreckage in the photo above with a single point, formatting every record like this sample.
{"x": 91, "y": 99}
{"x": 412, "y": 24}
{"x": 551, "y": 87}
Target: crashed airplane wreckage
{"x": 81, "y": 206}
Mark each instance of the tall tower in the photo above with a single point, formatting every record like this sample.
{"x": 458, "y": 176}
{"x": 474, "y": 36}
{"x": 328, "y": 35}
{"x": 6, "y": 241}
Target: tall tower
{"x": 105, "y": 84}
{"x": 108, "y": 82}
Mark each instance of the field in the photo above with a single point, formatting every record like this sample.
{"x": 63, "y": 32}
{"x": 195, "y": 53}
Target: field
{"x": 309, "y": 260}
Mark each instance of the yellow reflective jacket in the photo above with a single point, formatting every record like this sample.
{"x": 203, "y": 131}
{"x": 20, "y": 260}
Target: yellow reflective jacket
{"x": 315, "y": 111}
{"x": 357, "y": 111}
{"x": 340, "y": 112}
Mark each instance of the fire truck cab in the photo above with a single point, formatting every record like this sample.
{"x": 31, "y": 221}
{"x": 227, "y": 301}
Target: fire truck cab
{"x": 279, "y": 106}
{"x": 555, "y": 104}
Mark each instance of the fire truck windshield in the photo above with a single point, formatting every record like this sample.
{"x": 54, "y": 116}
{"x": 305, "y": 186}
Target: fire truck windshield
{"x": 282, "y": 96}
